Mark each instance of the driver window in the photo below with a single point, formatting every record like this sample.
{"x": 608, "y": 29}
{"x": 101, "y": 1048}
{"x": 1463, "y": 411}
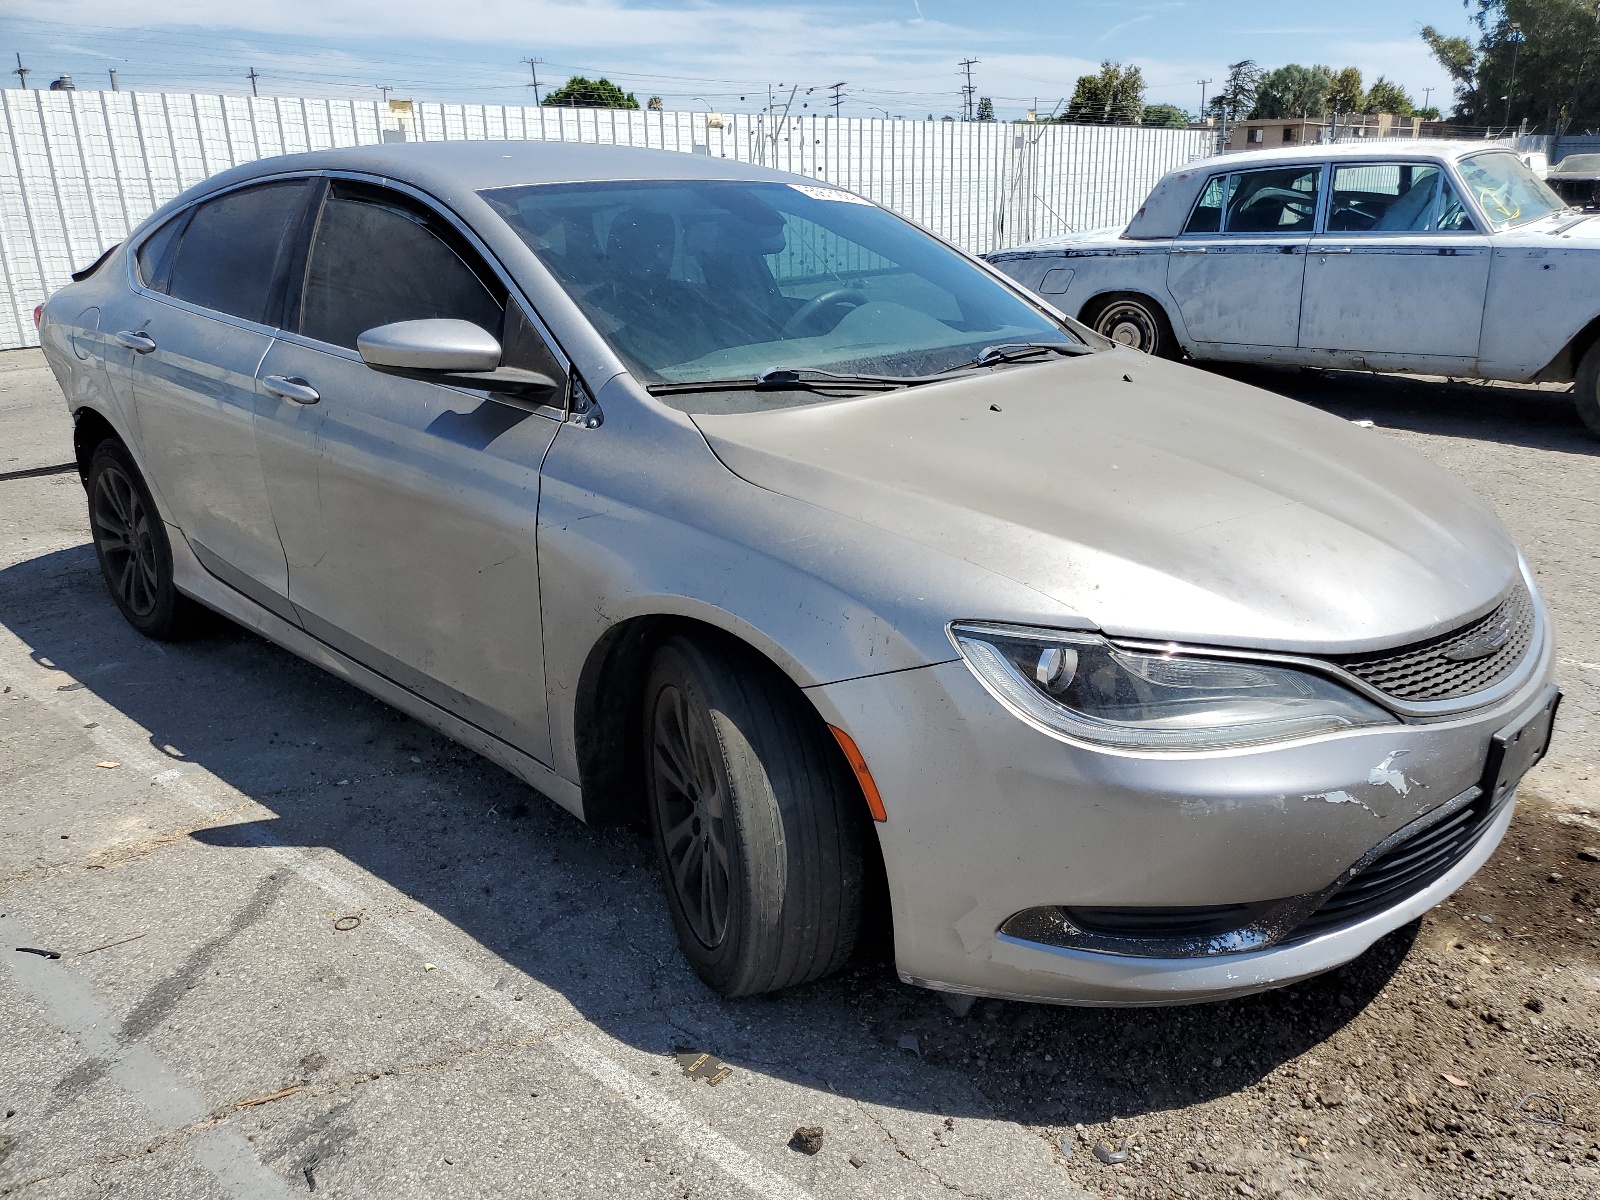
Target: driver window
{"x": 1281, "y": 200}
{"x": 1394, "y": 198}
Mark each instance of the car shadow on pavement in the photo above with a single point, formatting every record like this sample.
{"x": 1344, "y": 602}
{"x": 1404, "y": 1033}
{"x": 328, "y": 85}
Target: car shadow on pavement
{"x": 1537, "y": 418}
{"x": 580, "y": 910}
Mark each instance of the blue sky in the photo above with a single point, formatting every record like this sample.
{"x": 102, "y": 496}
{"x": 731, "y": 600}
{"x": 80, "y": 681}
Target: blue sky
{"x": 895, "y": 57}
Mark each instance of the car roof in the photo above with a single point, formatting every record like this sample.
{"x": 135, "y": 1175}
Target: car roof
{"x": 455, "y": 171}
{"x": 1167, "y": 206}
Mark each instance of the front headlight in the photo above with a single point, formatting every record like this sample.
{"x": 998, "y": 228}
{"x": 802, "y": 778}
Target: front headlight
{"x": 1081, "y": 686}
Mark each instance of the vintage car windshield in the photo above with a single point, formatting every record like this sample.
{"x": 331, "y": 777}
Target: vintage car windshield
{"x": 699, "y": 280}
{"x": 1506, "y": 190}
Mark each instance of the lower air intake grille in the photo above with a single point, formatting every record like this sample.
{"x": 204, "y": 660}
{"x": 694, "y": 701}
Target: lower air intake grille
{"x": 1460, "y": 663}
{"x": 1402, "y": 870}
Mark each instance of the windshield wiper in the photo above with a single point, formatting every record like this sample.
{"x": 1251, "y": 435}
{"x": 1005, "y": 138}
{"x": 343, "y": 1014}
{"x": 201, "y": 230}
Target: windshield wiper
{"x": 786, "y": 379}
{"x": 1016, "y": 351}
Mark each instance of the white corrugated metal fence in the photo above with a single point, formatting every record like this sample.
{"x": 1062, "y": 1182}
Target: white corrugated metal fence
{"x": 78, "y": 170}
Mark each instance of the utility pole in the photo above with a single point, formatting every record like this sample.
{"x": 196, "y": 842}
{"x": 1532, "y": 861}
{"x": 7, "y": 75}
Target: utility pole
{"x": 253, "y": 76}
{"x": 967, "y": 90}
{"x": 1516, "y": 43}
{"x": 21, "y": 72}
{"x": 114, "y": 86}
{"x": 1202, "y": 83}
{"x": 385, "y": 88}
{"x": 533, "y": 65}
{"x": 837, "y": 97}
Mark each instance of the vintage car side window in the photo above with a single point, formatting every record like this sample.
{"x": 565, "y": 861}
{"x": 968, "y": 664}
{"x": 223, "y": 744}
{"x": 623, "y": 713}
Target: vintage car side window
{"x": 1279, "y": 200}
{"x": 231, "y": 253}
{"x": 1450, "y": 214}
{"x": 1207, "y": 215}
{"x": 377, "y": 258}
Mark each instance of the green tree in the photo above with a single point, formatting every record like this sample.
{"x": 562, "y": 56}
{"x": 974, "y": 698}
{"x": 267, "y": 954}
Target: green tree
{"x": 1113, "y": 97}
{"x": 1238, "y": 94}
{"x": 579, "y": 92}
{"x": 985, "y": 108}
{"x": 1388, "y": 97}
{"x": 1346, "y": 95}
{"x": 1551, "y": 46}
{"x": 1165, "y": 116}
{"x": 1293, "y": 91}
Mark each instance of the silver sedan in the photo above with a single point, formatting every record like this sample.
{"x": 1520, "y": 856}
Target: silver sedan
{"x": 722, "y": 500}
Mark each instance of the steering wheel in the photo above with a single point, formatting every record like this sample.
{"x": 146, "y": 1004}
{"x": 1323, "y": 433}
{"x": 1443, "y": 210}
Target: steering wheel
{"x": 1497, "y": 199}
{"x": 838, "y": 295}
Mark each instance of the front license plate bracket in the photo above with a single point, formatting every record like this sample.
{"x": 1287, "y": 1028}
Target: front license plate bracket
{"x": 1517, "y": 748}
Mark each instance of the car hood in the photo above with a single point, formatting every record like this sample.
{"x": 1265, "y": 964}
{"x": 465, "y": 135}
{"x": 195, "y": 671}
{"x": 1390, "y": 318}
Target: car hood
{"x": 1148, "y": 499}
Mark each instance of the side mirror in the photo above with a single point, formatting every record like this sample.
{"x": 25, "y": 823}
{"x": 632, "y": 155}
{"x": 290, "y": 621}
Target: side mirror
{"x": 452, "y": 352}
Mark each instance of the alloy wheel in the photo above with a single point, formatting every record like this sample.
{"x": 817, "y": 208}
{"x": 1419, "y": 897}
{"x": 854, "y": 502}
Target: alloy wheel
{"x": 692, "y": 810}
{"x": 123, "y": 535}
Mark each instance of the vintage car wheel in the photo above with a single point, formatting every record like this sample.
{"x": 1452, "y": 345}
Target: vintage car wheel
{"x": 1586, "y": 390}
{"x": 1133, "y": 321}
{"x": 130, "y": 541}
{"x": 755, "y": 816}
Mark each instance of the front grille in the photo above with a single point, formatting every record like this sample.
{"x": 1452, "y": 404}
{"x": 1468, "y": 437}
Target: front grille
{"x": 1401, "y": 871}
{"x": 1426, "y": 671}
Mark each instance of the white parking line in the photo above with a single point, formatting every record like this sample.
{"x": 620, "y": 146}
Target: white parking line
{"x": 576, "y": 1044}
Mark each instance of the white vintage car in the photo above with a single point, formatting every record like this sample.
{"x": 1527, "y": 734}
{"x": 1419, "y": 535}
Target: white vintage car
{"x": 1447, "y": 258}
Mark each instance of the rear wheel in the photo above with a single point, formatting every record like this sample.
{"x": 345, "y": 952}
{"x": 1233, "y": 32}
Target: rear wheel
{"x": 1586, "y": 391}
{"x": 130, "y": 541}
{"x": 756, "y": 819}
{"x": 1134, "y": 321}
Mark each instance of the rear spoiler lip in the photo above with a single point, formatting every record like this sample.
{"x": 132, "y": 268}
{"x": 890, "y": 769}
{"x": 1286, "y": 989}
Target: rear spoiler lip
{"x": 80, "y": 276}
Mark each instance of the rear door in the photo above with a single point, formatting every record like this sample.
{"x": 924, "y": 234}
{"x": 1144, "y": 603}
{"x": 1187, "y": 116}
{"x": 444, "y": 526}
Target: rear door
{"x": 212, "y": 283}
{"x": 1400, "y": 268}
{"x": 407, "y": 509}
{"x": 1237, "y": 268}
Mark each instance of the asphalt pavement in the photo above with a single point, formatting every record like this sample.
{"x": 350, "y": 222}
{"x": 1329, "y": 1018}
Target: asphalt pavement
{"x": 295, "y": 943}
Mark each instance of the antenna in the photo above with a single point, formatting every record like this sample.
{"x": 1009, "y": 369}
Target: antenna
{"x": 837, "y": 96}
{"x": 533, "y": 65}
{"x": 253, "y": 76}
{"x": 967, "y": 90}
{"x": 21, "y": 72}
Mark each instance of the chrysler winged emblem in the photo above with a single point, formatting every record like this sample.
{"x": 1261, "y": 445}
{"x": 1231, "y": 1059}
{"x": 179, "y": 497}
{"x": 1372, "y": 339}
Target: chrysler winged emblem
{"x": 1482, "y": 643}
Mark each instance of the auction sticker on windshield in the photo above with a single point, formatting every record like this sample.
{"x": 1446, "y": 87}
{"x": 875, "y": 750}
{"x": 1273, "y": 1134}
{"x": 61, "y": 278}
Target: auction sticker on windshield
{"x": 822, "y": 193}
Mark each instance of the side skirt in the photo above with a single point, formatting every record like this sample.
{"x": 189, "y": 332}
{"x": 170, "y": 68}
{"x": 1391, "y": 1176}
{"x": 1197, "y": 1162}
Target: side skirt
{"x": 195, "y": 581}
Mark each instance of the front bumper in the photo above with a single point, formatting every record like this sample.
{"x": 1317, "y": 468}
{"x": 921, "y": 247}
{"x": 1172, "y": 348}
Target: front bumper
{"x": 989, "y": 817}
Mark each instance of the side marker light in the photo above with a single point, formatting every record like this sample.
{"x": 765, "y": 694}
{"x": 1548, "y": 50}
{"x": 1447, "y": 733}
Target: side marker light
{"x": 869, "y": 789}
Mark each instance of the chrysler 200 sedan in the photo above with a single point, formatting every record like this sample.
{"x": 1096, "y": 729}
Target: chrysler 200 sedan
{"x": 1447, "y": 258}
{"x": 713, "y": 497}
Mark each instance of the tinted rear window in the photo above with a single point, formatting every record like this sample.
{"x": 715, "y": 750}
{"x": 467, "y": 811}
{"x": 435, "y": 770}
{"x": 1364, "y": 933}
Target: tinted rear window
{"x": 233, "y": 249}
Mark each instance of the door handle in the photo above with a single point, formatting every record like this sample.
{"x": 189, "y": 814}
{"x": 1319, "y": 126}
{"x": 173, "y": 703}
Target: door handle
{"x": 1335, "y": 250}
{"x": 1188, "y": 250}
{"x": 291, "y": 387}
{"x": 139, "y": 343}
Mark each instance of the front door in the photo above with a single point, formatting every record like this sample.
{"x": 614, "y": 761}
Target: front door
{"x": 212, "y": 296}
{"x": 1236, "y": 270}
{"x": 1400, "y": 268}
{"x": 408, "y": 509}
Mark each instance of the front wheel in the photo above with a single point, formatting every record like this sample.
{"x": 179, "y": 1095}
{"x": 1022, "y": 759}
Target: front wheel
{"x": 1136, "y": 322}
{"x": 757, "y": 822}
{"x": 1586, "y": 391}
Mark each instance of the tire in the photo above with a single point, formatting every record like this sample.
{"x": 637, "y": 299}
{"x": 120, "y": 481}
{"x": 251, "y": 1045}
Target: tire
{"x": 1586, "y": 390}
{"x": 1135, "y": 321}
{"x": 130, "y": 540}
{"x": 756, "y": 819}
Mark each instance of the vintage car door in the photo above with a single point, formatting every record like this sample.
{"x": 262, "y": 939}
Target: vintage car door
{"x": 211, "y": 290}
{"x": 407, "y": 508}
{"x": 1399, "y": 268}
{"x": 1236, "y": 269}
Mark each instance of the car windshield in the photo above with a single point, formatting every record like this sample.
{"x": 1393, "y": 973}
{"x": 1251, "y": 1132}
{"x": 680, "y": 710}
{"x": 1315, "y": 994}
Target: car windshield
{"x": 1507, "y": 191}
{"x": 701, "y": 280}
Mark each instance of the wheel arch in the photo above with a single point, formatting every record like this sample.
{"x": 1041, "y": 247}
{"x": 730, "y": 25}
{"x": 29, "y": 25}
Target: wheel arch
{"x": 90, "y": 427}
{"x": 1165, "y": 308}
{"x": 1564, "y": 366}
